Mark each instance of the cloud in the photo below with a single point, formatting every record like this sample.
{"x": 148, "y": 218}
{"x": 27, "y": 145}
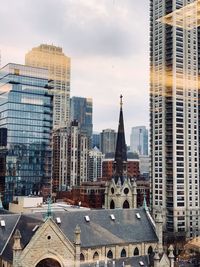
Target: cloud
{"x": 107, "y": 41}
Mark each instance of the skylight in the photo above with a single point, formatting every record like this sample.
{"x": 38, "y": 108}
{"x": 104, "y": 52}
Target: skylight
{"x": 87, "y": 218}
{"x": 3, "y": 224}
{"x": 138, "y": 216}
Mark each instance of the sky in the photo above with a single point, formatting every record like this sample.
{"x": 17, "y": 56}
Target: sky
{"x": 107, "y": 41}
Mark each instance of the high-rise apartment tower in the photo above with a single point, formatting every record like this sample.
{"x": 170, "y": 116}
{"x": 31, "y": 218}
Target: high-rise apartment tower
{"x": 174, "y": 116}
{"x": 52, "y": 58}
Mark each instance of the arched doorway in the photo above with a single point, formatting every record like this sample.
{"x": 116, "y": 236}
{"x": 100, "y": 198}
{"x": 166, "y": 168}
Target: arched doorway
{"x": 126, "y": 205}
{"x": 48, "y": 262}
{"x": 112, "y": 205}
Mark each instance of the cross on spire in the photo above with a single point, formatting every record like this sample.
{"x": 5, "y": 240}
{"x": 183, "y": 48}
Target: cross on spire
{"x": 121, "y": 102}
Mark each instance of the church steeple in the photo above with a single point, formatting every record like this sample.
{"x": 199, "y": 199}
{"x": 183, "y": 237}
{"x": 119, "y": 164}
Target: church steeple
{"x": 120, "y": 162}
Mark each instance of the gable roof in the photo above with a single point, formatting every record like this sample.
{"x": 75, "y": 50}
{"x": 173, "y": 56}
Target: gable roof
{"x": 100, "y": 230}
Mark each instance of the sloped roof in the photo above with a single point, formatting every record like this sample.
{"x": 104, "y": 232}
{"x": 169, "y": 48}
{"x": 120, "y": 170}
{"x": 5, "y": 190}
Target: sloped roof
{"x": 24, "y": 224}
{"x": 6, "y": 231}
{"x": 101, "y": 230}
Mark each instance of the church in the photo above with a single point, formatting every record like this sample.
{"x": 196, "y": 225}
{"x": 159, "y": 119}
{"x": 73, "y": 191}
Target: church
{"x": 119, "y": 235}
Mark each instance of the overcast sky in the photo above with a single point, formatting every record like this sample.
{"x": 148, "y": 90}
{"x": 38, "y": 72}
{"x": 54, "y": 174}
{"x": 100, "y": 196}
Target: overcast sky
{"x": 107, "y": 41}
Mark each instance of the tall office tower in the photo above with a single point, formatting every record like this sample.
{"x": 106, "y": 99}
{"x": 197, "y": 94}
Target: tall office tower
{"x": 52, "y": 58}
{"x": 174, "y": 114}
{"x": 108, "y": 139}
{"x": 81, "y": 111}
{"x": 96, "y": 140}
{"x": 95, "y": 164}
{"x": 139, "y": 140}
{"x": 25, "y": 126}
{"x": 70, "y": 157}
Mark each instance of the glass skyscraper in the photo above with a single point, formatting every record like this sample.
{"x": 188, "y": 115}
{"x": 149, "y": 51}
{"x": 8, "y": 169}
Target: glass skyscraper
{"x": 139, "y": 140}
{"x": 81, "y": 110}
{"x": 26, "y": 124}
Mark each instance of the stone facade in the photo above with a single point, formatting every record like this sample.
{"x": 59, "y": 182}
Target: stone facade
{"x": 121, "y": 195}
{"x": 48, "y": 242}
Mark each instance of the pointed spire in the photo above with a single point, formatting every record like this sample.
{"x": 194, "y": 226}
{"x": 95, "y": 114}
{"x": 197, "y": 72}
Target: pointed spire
{"x": 120, "y": 168}
{"x": 145, "y": 203}
{"x": 49, "y": 211}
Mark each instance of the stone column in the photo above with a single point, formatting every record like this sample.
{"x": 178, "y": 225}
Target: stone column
{"x": 77, "y": 243}
{"x": 17, "y": 248}
{"x": 171, "y": 256}
{"x": 159, "y": 230}
{"x": 134, "y": 195}
{"x": 156, "y": 258}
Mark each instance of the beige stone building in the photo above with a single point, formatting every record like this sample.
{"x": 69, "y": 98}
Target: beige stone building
{"x": 126, "y": 237}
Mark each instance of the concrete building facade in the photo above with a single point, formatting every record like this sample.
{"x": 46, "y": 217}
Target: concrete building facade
{"x": 174, "y": 118}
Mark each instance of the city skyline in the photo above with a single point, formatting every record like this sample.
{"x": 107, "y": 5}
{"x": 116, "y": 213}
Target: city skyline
{"x": 113, "y": 57}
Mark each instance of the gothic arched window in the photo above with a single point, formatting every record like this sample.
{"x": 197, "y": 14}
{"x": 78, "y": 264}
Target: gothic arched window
{"x": 82, "y": 257}
{"x": 136, "y": 252}
{"x": 112, "y": 204}
{"x": 96, "y": 256}
{"x": 110, "y": 254}
{"x": 123, "y": 253}
{"x": 126, "y": 205}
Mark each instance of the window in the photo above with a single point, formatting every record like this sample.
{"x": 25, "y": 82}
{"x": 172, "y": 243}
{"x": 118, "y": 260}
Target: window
{"x": 110, "y": 254}
{"x": 96, "y": 256}
{"x": 82, "y": 257}
{"x": 136, "y": 252}
{"x": 123, "y": 253}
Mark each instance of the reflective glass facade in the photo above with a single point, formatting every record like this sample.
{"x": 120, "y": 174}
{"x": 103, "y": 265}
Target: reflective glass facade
{"x": 81, "y": 110}
{"x": 26, "y": 113}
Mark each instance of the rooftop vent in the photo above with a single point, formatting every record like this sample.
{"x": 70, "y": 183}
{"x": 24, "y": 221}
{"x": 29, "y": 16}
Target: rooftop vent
{"x": 138, "y": 216}
{"x": 112, "y": 216}
{"x": 58, "y": 220}
{"x": 87, "y": 218}
{"x": 35, "y": 228}
{"x": 3, "y": 224}
{"x": 141, "y": 263}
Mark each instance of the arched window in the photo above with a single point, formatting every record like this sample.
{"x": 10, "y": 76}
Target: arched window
{"x": 126, "y": 205}
{"x": 82, "y": 257}
{"x": 150, "y": 250}
{"x": 96, "y": 256}
{"x": 136, "y": 252}
{"x": 123, "y": 253}
{"x": 112, "y": 204}
{"x": 110, "y": 254}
